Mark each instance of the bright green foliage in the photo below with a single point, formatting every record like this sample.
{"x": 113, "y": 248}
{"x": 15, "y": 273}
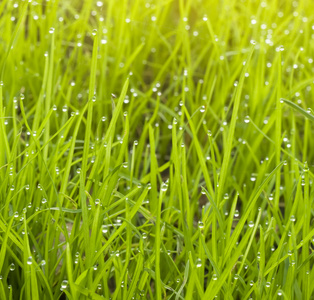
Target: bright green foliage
{"x": 156, "y": 149}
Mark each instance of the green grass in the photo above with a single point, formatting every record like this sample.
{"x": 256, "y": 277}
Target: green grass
{"x": 156, "y": 149}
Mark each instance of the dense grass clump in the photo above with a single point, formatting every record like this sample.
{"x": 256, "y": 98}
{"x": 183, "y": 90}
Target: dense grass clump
{"x": 156, "y": 149}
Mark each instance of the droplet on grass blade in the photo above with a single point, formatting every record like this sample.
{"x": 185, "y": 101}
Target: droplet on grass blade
{"x": 30, "y": 260}
{"x": 12, "y": 267}
{"x": 64, "y": 285}
{"x": 198, "y": 263}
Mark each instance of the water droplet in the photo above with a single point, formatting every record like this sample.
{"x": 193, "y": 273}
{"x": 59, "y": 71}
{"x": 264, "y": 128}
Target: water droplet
{"x": 125, "y": 165}
{"x": 43, "y": 263}
{"x": 51, "y": 30}
{"x": 97, "y": 201}
{"x": 104, "y": 229}
{"x": 306, "y": 167}
{"x": 215, "y": 277}
{"x": 251, "y": 224}
{"x": 279, "y": 293}
{"x": 164, "y": 187}
{"x": 198, "y": 263}
{"x": 236, "y": 277}
{"x": 65, "y": 108}
{"x": 202, "y": 109}
{"x": 64, "y": 285}
{"x": 251, "y": 283}
{"x": 267, "y": 284}
{"x": 94, "y": 32}
{"x": 200, "y": 225}
{"x": 78, "y": 171}
{"x": 236, "y": 214}
{"x": 12, "y": 267}
{"x": 270, "y": 197}
{"x": 44, "y": 201}
{"x": 247, "y": 119}
{"x": 292, "y": 218}
{"x": 30, "y": 260}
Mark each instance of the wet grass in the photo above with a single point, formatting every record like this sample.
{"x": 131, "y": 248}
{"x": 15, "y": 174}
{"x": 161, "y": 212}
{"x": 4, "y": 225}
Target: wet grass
{"x": 156, "y": 150}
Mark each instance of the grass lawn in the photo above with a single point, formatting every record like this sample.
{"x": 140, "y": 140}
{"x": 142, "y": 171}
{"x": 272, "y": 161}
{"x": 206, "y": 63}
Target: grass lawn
{"x": 156, "y": 149}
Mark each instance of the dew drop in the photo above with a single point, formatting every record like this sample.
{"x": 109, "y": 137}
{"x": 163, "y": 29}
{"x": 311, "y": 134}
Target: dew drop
{"x": 200, "y": 225}
{"x": 12, "y": 267}
{"x": 30, "y": 260}
{"x": 51, "y": 30}
{"x": 198, "y": 263}
{"x": 64, "y": 285}
{"x": 202, "y": 109}
{"x": 104, "y": 229}
{"x": 306, "y": 167}
{"x": 253, "y": 178}
{"x": 164, "y": 187}
{"x": 251, "y": 224}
